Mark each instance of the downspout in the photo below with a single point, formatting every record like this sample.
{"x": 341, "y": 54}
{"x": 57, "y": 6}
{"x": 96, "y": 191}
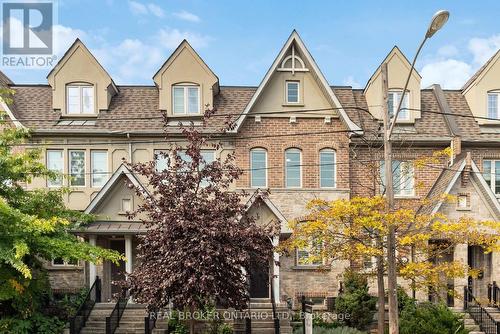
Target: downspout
{"x": 129, "y": 148}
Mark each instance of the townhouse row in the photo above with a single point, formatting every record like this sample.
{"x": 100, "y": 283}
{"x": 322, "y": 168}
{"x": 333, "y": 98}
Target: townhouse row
{"x": 294, "y": 134}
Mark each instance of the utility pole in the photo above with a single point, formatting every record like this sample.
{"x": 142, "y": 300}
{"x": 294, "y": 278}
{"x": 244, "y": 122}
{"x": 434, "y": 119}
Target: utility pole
{"x": 389, "y": 193}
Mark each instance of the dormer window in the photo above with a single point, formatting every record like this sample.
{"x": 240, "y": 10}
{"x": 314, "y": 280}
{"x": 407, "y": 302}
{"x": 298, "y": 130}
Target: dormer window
{"x": 186, "y": 99}
{"x": 393, "y": 102}
{"x": 493, "y": 105}
{"x": 80, "y": 99}
{"x": 292, "y": 92}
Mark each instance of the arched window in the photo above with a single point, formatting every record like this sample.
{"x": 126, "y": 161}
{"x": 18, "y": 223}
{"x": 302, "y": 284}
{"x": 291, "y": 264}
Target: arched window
{"x": 258, "y": 168}
{"x": 293, "y": 169}
{"x": 185, "y": 99}
{"x": 327, "y": 161}
{"x": 80, "y": 99}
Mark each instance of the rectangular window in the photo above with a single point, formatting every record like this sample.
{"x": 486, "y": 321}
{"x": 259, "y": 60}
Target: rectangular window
{"x": 293, "y": 177}
{"x": 310, "y": 255}
{"x": 491, "y": 174}
{"x": 403, "y": 178}
{"x": 258, "y": 165}
{"x": 60, "y": 262}
{"x": 80, "y": 99}
{"x": 393, "y": 100}
{"x": 292, "y": 92}
{"x": 99, "y": 161}
{"x": 493, "y": 106}
{"x": 55, "y": 163}
{"x": 126, "y": 205}
{"x": 327, "y": 168}
{"x": 77, "y": 168}
{"x": 161, "y": 161}
{"x": 186, "y": 100}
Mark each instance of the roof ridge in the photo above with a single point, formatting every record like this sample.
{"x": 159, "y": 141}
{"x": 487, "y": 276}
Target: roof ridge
{"x": 479, "y": 71}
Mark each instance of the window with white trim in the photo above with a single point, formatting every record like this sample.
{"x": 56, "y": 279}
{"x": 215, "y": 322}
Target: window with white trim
{"x": 161, "y": 160}
{"x": 77, "y": 168}
{"x": 327, "y": 168}
{"x": 394, "y": 97}
{"x": 491, "y": 174}
{"x": 80, "y": 99}
{"x": 99, "y": 166}
{"x": 493, "y": 105}
{"x": 293, "y": 170}
{"x": 403, "y": 178}
{"x": 55, "y": 163}
{"x": 292, "y": 92}
{"x": 186, "y": 99}
{"x": 258, "y": 168}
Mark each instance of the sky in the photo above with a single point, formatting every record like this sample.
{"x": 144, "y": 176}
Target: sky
{"x": 240, "y": 39}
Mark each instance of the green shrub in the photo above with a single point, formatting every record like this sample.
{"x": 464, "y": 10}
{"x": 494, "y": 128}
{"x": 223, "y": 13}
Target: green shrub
{"x": 356, "y": 303}
{"x": 429, "y": 318}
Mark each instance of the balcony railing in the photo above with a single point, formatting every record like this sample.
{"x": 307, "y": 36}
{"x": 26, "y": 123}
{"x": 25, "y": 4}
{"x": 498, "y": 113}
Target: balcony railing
{"x": 77, "y": 322}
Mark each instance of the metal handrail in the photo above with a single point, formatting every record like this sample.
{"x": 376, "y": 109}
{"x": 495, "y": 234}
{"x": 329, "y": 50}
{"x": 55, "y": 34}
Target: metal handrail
{"x": 275, "y": 316}
{"x": 113, "y": 321}
{"x": 150, "y": 322}
{"x": 486, "y": 322}
{"x": 494, "y": 295}
{"x": 93, "y": 296}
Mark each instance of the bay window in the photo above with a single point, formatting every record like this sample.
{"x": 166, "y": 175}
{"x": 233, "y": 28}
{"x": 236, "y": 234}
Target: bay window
{"x": 491, "y": 174}
{"x": 403, "y": 178}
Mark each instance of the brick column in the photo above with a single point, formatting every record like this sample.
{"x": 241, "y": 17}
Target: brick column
{"x": 460, "y": 254}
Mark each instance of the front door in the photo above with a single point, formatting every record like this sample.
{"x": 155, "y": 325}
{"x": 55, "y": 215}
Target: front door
{"x": 117, "y": 270}
{"x": 259, "y": 280}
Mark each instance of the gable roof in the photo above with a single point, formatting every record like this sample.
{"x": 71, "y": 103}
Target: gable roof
{"x": 480, "y": 71}
{"x": 113, "y": 180}
{"x": 258, "y": 195}
{"x": 394, "y": 51}
{"x": 78, "y": 44}
{"x": 185, "y": 45}
{"x": 448, "y": 178}
{"x": 295, "y": 38}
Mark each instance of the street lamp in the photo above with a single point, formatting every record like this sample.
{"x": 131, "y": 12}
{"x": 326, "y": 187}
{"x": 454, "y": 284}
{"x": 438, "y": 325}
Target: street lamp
{"x": 437, "y": 22}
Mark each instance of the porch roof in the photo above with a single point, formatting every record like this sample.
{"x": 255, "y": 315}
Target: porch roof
{"x": 112, "y": 227}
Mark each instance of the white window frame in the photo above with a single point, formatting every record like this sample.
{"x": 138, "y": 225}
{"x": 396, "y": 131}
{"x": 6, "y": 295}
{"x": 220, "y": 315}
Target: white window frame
{"x": 300, "y": 168}
{"x": 331, "y": 150}
{"x": 399, "y": 94}
{"x": 186, "y": 87}
{"x": 84, "y": 168}
{"x": 287, "y": 83}
{"x": 258, "y": 149}
{"x": 412, "y": 180}
{"x": 492, "y": 174}
{"x": 106, "y": 169}
{"x": 50, "y": 183}
{"x": 497, "y": 94}
{"x": 80, "y": 87}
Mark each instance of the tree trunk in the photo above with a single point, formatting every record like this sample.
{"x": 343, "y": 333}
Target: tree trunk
{"x": 191, "y": 321}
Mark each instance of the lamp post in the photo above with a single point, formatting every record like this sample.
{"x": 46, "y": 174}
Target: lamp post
{"x": 437, "y": 22}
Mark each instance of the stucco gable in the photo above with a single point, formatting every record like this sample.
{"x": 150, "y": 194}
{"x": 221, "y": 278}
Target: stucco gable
{"x": 79, "y": 65}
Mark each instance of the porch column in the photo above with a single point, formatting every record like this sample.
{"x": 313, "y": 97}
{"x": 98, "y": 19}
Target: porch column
{"x": 460, "y": 254}
{"x": 92, "y": 268}
{"x": 276, "y": 271}
{"x": 495, "y": 267}
{"x": 128, "y": 254}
